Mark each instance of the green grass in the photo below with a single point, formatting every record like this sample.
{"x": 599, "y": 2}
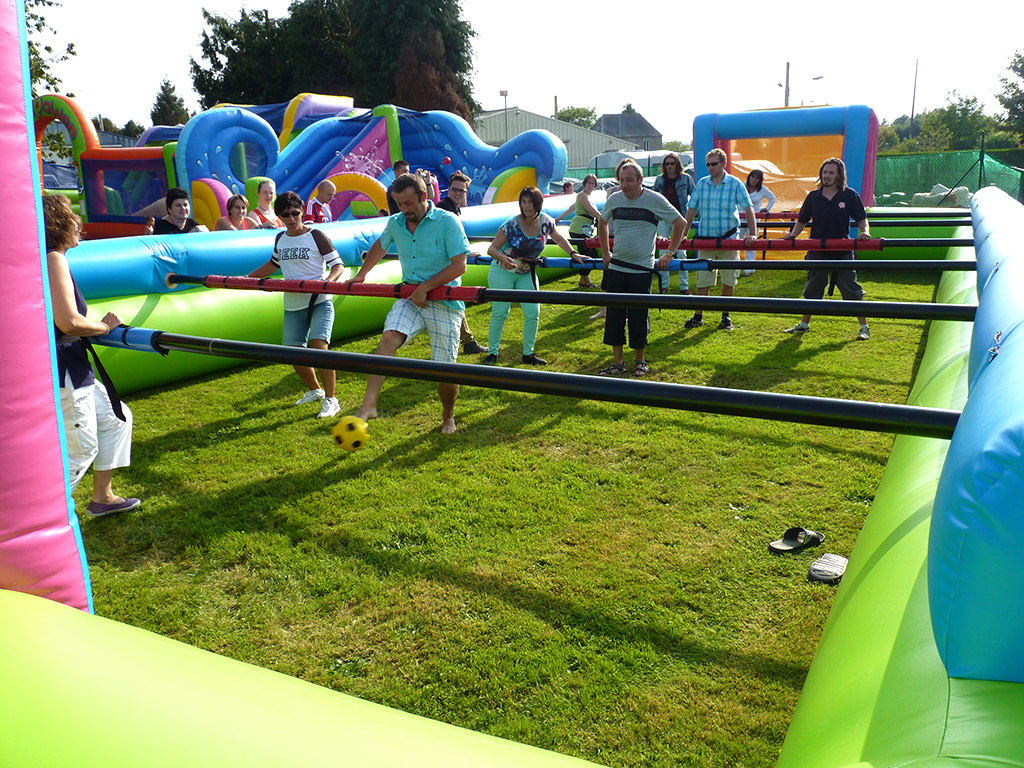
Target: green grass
{"x": 586, "y": 577}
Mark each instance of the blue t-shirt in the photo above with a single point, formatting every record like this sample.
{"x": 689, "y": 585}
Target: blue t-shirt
{"x": 438, "y": 239}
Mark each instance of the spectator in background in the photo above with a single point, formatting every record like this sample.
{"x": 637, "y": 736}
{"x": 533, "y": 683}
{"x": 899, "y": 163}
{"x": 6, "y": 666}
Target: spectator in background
{"x": 581, "y": 226}
{"x": 458, "y": 193}
{"x": 318, "y": 209}
{"x": 238, "y": 207}
{"x": 177, "y": 221}
{"x": 263, "y": 214}
{"x": 760, "y": 196}
{"x": 719, "y": 198}
{"x": 676, "y": 187}
{"x": 399, "y": 168}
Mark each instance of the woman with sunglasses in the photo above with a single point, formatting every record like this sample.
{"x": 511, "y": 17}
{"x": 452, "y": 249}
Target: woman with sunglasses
{"x": 304, "y": 253}
{"x": 676, "y": 186}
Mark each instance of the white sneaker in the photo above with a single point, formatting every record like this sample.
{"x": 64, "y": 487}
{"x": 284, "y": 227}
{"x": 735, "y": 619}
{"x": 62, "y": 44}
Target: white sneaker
{"x": 329, "y": 408}
{"x": 798, "y": 328}
{"x": 865, "y": 333}
{"x": 311, "y": 397}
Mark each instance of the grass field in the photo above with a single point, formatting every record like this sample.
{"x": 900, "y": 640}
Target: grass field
{"x": 585, "y": 577}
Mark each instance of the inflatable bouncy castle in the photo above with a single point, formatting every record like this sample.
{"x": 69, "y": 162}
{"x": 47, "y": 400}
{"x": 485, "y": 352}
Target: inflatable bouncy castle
{"x": 221, "y": 151}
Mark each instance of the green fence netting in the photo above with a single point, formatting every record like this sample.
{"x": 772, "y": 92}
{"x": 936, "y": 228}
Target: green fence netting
{"x": 925, "y": 179}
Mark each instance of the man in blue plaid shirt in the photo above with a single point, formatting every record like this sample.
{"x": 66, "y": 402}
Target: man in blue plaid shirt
{"x": 719, "y": 198}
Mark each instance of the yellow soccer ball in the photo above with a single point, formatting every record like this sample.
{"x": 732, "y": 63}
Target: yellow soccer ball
{"x": 350, "y": 433}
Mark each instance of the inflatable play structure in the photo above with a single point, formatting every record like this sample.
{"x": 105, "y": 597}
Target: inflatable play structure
{"x": 788, "y": 145}
{"x": 919, "y": 663}
{"x": 223, "y": 151}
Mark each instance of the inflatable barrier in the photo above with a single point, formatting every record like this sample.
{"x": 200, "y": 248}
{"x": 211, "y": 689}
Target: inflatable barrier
{"x": 914, "y": 660}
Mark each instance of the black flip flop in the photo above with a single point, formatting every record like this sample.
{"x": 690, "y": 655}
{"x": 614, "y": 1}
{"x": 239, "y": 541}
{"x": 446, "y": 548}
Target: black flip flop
{"x": 796, "y": 539}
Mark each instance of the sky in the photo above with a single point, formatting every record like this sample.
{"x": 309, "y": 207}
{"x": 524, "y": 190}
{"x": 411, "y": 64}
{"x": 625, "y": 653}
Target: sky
{"x": 670, "y": 65}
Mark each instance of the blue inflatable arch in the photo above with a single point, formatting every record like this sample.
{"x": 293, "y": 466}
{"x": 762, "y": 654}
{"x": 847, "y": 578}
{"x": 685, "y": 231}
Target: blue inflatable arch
{"x": 857, "y": 124}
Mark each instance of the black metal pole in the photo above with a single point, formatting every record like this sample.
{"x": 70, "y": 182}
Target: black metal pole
{"x": 861, "y": 265}
{"x": 920, "y": 223}
{"x": 889, "y": 309}
{"x": 829, "y": 412}
{"x": 938, "y": 213}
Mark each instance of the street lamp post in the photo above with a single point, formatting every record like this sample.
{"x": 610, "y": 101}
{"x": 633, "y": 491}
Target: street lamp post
{"x": 505, "y": 94}
{"x": 786, "y": 86}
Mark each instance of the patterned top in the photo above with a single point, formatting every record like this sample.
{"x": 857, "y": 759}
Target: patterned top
{"x": 521, "y": 246}
{"x": 719, "y": 207}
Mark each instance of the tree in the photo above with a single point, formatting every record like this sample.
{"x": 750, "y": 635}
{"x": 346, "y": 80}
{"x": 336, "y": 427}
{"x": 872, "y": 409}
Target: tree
{"x": 40, "y": 55}
{"x": 133, "y": 129}
{"x": 584, "y": 117}
{"x": 243, "y": 64}
{"x": 422, "y": 79}
{"x": 376, "y": 47}
{"x": 960, "y": 125}
{"x": 628, "y": 109}
{"x": 677, "y": 146}
{"x": 168, "y": 107}
{"x": 105, "y": 124}
{"x": 341, "y": 47}
{"x": 1012, "y": 97}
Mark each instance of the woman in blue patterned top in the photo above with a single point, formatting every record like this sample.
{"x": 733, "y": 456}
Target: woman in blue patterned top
{"x": 515, "y": 251}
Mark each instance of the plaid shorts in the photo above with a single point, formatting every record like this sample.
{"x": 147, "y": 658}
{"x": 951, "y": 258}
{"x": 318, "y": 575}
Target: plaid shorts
{"x": 441, "y": 322}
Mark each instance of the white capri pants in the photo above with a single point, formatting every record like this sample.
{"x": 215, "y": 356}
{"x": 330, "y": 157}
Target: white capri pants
{"x": 93, "y": 433}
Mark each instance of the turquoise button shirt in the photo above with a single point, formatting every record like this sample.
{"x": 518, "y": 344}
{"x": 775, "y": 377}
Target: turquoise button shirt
{"x": 438, "y": 239}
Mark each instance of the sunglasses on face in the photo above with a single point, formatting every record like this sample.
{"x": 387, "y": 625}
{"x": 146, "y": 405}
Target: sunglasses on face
{"x": 712, "y": 165}
{"x": 457, "y": 191}
{"x": 290, "y": 214}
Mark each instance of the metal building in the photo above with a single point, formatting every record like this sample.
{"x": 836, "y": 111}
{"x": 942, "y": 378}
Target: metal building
{"x": 497, "y": 126}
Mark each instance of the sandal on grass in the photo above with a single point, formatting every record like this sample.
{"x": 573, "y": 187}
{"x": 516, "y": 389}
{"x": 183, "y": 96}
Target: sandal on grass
{"x": 613, "y": 370}
{"x": 640, "y": 369}
{"x": 796, "y": 539}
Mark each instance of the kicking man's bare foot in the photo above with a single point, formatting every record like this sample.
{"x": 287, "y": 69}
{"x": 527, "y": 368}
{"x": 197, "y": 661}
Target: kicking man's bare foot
{"x": 366, "y": 414}
{"x": 448, "y": 426}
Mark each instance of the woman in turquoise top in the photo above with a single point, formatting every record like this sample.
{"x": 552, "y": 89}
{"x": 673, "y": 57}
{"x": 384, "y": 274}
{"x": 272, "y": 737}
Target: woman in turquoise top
{"x": 515, "y": 251}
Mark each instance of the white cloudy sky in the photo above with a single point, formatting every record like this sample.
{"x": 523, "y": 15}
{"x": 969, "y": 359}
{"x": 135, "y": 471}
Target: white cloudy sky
{"x": 671, "y": 60}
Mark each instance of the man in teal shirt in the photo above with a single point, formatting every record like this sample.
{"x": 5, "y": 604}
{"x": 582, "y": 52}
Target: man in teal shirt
{"x": 432, "y": 249}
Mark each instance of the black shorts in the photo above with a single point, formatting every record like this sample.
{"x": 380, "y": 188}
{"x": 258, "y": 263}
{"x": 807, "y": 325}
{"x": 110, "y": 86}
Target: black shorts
{"x": 818, "y": 279}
